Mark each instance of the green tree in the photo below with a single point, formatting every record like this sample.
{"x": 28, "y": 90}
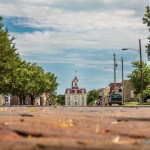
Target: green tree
{"x": 8, "y": 57}
{"x": 146, "y": 20}
{"x": 31, "y": 80}
{"x": 21, "y": 81}
{"x": 147, "y": 92}
{"x": 92, "y": 96}
{"x": 51, "y": 86}
{"x": 37, "y": 78}
{"x": 41, "y": 82}
{"x": 135, "y": 76}
{"x": 19, "y": 77}
{"x": 53, "y": 98}
{"x": 61, "y": 99}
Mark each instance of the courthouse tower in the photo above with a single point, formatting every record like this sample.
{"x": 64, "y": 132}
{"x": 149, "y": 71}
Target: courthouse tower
{"x": 75, "y": 96}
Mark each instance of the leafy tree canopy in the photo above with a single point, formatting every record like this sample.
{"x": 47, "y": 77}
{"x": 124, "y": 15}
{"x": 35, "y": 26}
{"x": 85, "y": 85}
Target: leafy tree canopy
{"x": 61, "y": 99}
{"x": 8, "y": 56}
{"x": 92, "y": 96}
{"x": 135, "y": 76}
{"x": 19, "y": 77}
{"x": 146, "y": 20}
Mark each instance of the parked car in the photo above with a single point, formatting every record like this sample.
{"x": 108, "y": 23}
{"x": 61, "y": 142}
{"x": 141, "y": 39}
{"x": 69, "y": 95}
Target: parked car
{"x": 115, "y": 99}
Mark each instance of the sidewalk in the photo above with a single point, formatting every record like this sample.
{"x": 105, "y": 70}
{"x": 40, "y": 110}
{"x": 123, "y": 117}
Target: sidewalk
{"x": 71, "y": 128}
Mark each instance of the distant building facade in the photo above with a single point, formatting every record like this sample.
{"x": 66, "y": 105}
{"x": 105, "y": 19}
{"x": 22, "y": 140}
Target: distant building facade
{"x": 42, "y": 100}
{"x": 128, "y": 91}
{"x": 117, "y": 89}
{"x": 75, "y": 96}
{"x": 2, "y": 100}
{"x": 104, "y": 92}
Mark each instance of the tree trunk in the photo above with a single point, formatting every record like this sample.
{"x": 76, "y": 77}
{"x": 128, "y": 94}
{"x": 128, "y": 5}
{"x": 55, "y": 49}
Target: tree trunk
{"x": 32, "y": 100}
{"x": 24, "y": 97}
{"x": 20, "y": 99}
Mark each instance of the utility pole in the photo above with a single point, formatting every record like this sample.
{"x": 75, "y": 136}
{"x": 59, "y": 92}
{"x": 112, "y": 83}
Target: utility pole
{"x": 115, "y": 73}
{"x": 122, "y": 80}
{"x": 141, "y": 69}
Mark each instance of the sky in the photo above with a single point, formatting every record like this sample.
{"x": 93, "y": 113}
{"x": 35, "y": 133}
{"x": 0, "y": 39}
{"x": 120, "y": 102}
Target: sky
{"x": 64, "y": 36}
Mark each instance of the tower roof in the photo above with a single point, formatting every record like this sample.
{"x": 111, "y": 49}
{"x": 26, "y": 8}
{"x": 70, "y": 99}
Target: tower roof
{"x": 75, "y": 78}
{"x": 75, "y": 88}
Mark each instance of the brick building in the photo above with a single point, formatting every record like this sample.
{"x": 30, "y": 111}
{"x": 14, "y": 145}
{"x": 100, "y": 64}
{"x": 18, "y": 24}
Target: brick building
{"x": 118, "y": 88}
{"x": 42, "y": 99}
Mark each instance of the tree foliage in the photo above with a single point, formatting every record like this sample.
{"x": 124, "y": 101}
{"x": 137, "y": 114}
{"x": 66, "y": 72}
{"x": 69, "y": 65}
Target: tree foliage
{"x": 135, "y": 76}
{"x": 8, "y": 56}
{"x": 146, "y": 20}
{"x": 19, "y": 77}
{"x": 92, "y": 96}
{"x": 61, "y": 99}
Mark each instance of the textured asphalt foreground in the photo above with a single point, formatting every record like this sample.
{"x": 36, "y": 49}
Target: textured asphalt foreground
{"x": 72, "y": 128}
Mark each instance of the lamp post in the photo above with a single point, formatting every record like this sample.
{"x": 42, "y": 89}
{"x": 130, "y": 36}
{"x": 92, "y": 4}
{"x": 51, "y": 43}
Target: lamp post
{"x": 141, "y": 67}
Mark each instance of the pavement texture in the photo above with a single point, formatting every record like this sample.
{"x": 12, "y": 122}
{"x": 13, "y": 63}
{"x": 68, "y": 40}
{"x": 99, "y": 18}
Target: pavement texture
{"x": 75, "y": 128}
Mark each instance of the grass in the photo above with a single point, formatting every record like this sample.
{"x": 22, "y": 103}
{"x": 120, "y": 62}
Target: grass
{"x": 135, "y": 103}
{"x": 146, "y": 103}
{"x": 131, "y": 103}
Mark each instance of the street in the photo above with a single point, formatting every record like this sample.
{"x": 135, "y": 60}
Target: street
{"x": 71, "y": 128}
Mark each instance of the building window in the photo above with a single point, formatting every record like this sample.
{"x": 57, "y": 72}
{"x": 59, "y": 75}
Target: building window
{"x": 82, "y": 98}
{"x": 68, "y": 98}
{"x": 75, "y": 84}
{"x": 68, "y": 103}
{"x": 75, "y": 97}
{"x": 76, "y": 103}
{"x": 119, "y": 89}
{"x": 82, "y": 103}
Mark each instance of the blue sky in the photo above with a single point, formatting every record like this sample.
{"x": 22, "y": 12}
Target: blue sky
{"x": 63, "y": 36}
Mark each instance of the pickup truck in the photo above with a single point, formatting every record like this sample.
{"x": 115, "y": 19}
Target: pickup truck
{"x": 115, "y": 99}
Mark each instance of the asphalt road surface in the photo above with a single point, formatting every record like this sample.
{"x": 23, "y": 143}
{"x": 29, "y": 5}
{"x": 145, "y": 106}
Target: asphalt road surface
{"x": 75, "y": 128}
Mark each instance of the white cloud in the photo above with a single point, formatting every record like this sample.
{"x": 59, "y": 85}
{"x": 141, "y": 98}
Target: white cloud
{"x": 59, "y": 42}
{"x": 46, "y": 15}
{"x": 97, "y": 29}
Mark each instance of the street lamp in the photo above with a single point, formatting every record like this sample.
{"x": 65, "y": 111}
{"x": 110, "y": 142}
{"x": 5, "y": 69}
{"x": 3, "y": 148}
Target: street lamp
{"x": 141, "y": 66}
{"x": 125, "y": 49}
